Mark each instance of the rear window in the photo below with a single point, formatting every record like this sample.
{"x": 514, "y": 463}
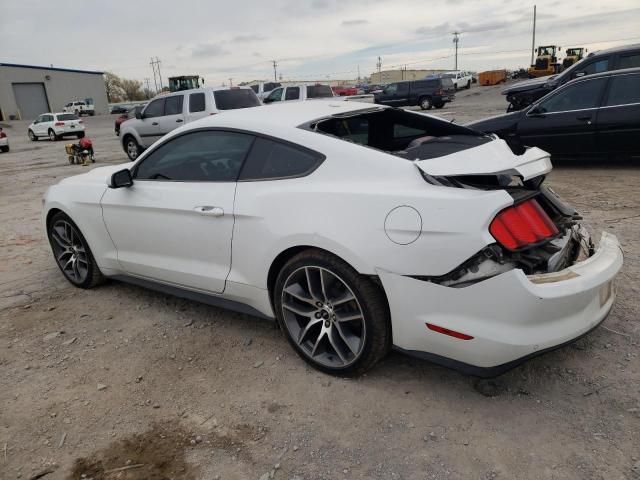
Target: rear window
{"x": 629, "y": 61}
{"x": 271, "y": 160}
{"x": 447, "y": 83}
{"x": 238, "y": 98}
{"x": 66, "y": 116}
{"x": 319, "y": 91}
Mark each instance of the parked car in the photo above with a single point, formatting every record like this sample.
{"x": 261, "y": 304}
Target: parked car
{"x": 593, "y": 116}
{"x": 357, "y": 228}
{"x": 124, "y": 108}
{"x": 523, "y": 94}
{"x": 374, "y": 88}
{"x": 460, "y": 79}
{"x": 128, "y": 115}
{"x": 4, "y": 141}
{"x": 343, "y": 91}
{"x": 168, "y": 112}
{"x": 432, "y": 92}
{"x": 80, "y": 107}
{"x": 55, "y": 126}
{"x": 263, "y": 89}
{"x": 303, "y": 92}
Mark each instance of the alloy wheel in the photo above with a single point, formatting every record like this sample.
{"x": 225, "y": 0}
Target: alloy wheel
{"x": 70, "y": 251}
{"x": 52, "y": 135}
{"x": 323, "y": 316}
{"x": 132, "y": 149}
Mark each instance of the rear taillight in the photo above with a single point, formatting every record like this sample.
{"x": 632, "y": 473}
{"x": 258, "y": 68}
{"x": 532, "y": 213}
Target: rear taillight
{"x": 58, "y": 124}
{"x": 521, "y": 225}
{"x": 3, "y": 135}
{"x": 79, "y": 121}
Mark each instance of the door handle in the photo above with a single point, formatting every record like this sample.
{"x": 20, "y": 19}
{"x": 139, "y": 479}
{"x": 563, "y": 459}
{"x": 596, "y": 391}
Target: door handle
{"x": 585, "y": 118}
{"x": 209, "y": 211}
{"x": 154, "y": 123}
{"x": 179, "y": 120}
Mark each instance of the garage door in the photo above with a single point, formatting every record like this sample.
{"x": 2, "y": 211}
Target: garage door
{"x": 31, "y": 99}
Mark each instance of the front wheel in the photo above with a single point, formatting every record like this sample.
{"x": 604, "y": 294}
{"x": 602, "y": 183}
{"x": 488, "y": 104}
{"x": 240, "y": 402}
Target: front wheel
{"x": 71, "y": 252}
{"x": 32, "y": 136}
{"x": 426, "y": 103}
{"x": 336, "y": 319}
{"x": 132, "y": 148}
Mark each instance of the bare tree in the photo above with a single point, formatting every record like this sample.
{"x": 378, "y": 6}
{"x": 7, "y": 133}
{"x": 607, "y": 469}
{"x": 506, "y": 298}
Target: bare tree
{"x": 132, "y": 89}
{"x": 113, "y": 87}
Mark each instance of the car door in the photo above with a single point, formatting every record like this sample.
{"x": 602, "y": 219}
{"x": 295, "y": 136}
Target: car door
{"x": 175, "y": 223}
{"x": 148, "y": 127}
{"x": 45, "y": 125}
{"x": 564, "y": 122}
{"x": 37, "y": 125}
{"x": 196, "y": 106}
{"x": 618, "y": 122}
{"x": 173, "y": 114}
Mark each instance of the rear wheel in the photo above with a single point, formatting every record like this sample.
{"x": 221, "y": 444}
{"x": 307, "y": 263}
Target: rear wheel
{"x": 72, "y": 253}
{"x": 439, "y": 105}
{"x": 336, "y": 320}
{"x": 80, "y": 135}
{"x": 4, "y": 149}
{"x": 131, "y": 147}
{"x": 426, "y": 103}
{"x": 468, "y": 85}
{"x": 32, "y": 136}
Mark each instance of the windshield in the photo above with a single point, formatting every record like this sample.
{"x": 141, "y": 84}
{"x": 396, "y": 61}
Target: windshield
{"x": 67, "y": 116}
{"x": 236, "y": 98}
{"x": 319, "y": 91}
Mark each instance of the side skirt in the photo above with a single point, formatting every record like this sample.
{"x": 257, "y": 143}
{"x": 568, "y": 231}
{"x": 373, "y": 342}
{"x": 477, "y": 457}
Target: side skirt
{"x": 208, "y": 299}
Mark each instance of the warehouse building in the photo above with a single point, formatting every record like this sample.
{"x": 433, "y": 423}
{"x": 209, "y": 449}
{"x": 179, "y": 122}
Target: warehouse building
{"x": 26, "y": 91}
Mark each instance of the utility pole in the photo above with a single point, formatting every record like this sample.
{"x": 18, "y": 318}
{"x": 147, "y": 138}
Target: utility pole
{"x": 146, "y": 80}
{"x": 358, "y": 73}
{"x": 455, "y": 41}
{"x": 275, "y": 71}
{"x": 379, "y": 65}
{"x": 153, "y": 67}
{"x": 159, "y": 76}
{"x": 230, "y": 82}
{"x": 533, "y": 41}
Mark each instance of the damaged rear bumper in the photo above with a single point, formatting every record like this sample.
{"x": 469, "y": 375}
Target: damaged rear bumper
{"x": 511, "y": 316}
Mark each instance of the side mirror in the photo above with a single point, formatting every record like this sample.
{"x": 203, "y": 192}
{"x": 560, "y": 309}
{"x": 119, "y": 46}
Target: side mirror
{"x": 120, "y": 179}
{"x": 536, "y": 111}
{"x": 138, "y": 114}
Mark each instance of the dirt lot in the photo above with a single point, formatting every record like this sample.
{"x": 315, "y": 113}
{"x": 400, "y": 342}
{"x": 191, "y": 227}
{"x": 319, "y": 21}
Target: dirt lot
{"x": 121, "y": 382}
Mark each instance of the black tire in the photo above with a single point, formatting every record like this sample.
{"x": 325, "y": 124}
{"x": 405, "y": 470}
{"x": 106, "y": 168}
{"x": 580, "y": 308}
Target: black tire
{"x": 369, "y": 298}
{"x": 468, "y": 85}
{"x": 77, "y": 112}
{"x": 425, "y": 103}
{"x": 52, "y": 136}
{"x": 80, "y": 135}
{"x": 4, "y": 149}
{"x": 93, "y": 276}
{"x": 131, "y": 147}
{"x": 439, "y": 105}
{"x": 91, "y": 114}
{"x": 32, "y": 136}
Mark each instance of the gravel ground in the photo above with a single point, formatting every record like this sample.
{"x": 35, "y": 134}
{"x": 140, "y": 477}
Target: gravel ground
{"x": 157, "y": 387}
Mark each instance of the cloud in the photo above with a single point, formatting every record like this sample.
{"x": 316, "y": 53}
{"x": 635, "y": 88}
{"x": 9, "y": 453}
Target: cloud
{"x": 320, "y": 4}
{"x": 204, "y": 50}
{"x": 248, "y": 38}
{"x": 357, "y": 21}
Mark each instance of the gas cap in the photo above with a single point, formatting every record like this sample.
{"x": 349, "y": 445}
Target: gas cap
{"x": 403, "y": 225}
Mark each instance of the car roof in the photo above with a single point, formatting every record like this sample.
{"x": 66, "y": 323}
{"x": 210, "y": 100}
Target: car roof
{"x": 285, "y": 114}
{"x": 621, "y": 48}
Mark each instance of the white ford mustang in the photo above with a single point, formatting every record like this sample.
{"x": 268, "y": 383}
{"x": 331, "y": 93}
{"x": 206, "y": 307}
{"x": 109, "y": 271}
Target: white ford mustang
{"x": 358, "y": 228}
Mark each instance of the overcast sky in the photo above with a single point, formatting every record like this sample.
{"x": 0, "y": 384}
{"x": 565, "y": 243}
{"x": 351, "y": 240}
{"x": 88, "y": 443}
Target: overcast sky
{"x": 310, "y": 39}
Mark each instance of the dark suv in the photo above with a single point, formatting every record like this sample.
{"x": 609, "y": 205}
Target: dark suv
{"x": 523, "y": 94}
{"x": 427, "y": 93}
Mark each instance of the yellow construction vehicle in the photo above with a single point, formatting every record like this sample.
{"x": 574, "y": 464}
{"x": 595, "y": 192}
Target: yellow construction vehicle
{"x": 572, "y": 55}
{"x": 546, "y": 62}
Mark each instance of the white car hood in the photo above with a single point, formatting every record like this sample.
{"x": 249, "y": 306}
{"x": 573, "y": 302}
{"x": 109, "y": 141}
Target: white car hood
{"x": 491, "y": 158}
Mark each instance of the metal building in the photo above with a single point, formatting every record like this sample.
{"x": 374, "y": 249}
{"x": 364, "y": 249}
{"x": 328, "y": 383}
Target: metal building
{"x": 26, "y": 91}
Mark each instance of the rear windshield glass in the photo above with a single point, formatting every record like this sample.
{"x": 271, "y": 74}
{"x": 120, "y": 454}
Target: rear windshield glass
{"x": 67, "y": 116}
{"x": 447, "y": 83}
{"x": 319, "y": 91}
{"x": 232, "y": 99}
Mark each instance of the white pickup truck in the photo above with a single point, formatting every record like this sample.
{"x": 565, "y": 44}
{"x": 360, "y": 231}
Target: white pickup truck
{"x": 311, "y": 92}
{"x": 80, "y": 107}
{"x": 460, "y": 79}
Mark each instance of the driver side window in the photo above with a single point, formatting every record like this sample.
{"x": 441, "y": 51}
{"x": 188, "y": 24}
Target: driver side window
{"x": 393, "y": 88}
{"x": 205, "y": 156}
{"x": 579, "y": 96}
{"x": 276, "y": 95}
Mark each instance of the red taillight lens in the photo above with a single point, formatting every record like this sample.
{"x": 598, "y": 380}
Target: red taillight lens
{"x": 451, "y": 333}
{"x": 59, "y": 124}
{"x": 3, "y": 135}
{"x": 521, "y": 225}
{"x": 79, "y": 121}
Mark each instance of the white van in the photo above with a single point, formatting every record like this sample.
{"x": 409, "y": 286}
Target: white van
{"x": 168, "y": 112}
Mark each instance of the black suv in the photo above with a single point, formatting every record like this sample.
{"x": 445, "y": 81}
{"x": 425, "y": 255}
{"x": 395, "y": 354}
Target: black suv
{"x": 523, "y": 94}
{"x": 427, "y": 93}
